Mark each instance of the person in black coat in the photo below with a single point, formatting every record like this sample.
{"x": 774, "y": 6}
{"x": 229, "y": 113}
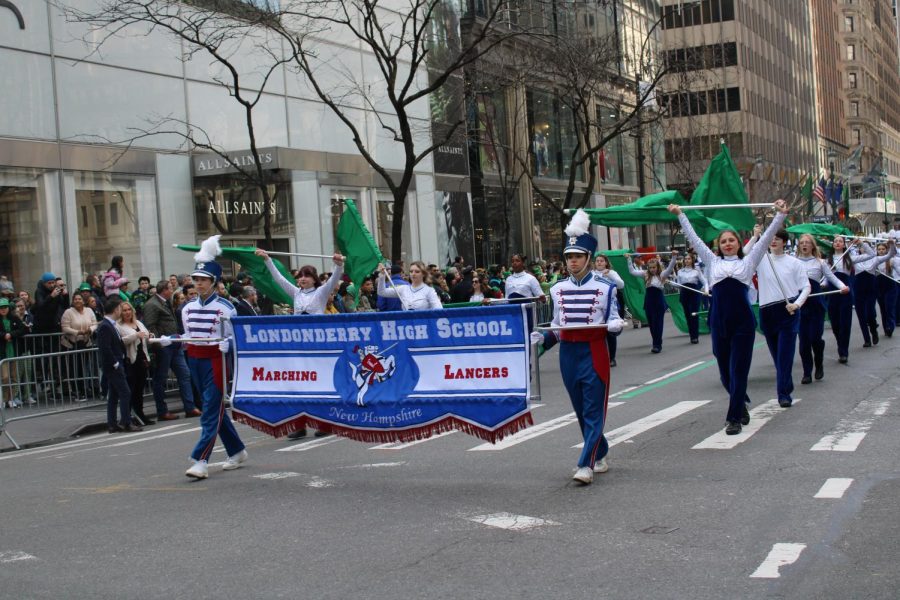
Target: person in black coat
{"x": 246, "y": 304}
{"x": 112, "y": 361}
{"x": 51, "y": 299}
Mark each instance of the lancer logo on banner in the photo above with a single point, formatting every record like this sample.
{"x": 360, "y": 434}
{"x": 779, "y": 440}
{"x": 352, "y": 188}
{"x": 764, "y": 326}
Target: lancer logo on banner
{"x": 385, "y": 377}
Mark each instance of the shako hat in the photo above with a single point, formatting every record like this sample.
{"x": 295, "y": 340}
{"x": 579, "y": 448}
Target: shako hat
{"x": 577, "y": 237}
{"x": 206, "y": 259}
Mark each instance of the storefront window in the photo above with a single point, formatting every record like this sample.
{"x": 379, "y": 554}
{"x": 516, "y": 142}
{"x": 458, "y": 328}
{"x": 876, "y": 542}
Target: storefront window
{"x": 493, "y": 139}
{"x": 499, "y": 233}
{"x": 117, "y": 216}
{"x": 541, "y": 123}
{"x": 548, "y": 231}
{"x": 232, "y": 206}
{"x": 29, "y": 201}
{"x": 385, "y": 215}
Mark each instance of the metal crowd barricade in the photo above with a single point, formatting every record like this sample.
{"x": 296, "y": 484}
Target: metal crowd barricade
{"x": 34, "y": 385}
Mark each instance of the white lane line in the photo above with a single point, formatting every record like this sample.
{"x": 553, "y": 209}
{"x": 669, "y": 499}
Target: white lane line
{"x": 533, "y": 432}
{"x": 304, "y": 446}
{"x": 102, "y": 438}
{"x": 850, "y": 431}
{"x": 834, "y": 488}
{"x": 657, "y": 379}
{"x": 318, "y": 482}
{"x": 779, "y": 556}
{"x": 375, "y": 465}
{"x": 277, "y": 475}
{"x": 138, "y": 441}
{"x": 505, "y": 520}
{"x": 626, "y": 432}
{"x": 15, "y": 556}
{"x": 759, "y": 416}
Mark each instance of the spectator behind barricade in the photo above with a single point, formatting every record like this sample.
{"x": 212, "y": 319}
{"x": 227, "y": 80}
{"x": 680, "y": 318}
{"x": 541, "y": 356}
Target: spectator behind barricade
{"x": 6, "y": 285}
{"x": 141, "y": 295}
{"x": 137, "y": 358}
{"x": 26, "y": 297}
{"x": 78, "y": 324}
{"x": 246, "y": 303}
{"x": 463, "y": 289}
{"x": 387, "y": 304}
{"x": 367, "y": 299}
{"x": 174, "y": 283}
{"x": 347, "y": 303}
{"x": 161, "y": 319}
{"x": 11, "y": 330}
{"x": 24, "y": 315}
{"x": 184, "y": 280}
{"x": 331, "y": 306}
{"x": 451, "y": 277}
{"x": 50, "y": 301}
{"x": 234, "y": 292}
{"x": 439, "y": 283}
{"x": 222, "y": 290}
{"x": 458, "y": 264}
{"x": 114, "y": 277}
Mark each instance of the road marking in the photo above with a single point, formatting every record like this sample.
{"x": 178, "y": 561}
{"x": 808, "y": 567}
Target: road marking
{"x": 850, "y": 431}
{"x": 533, "y": 432}
{"x": 834, "y": 488}
{"x": 779, "y": 556}
{"x": 759, "y": 416}
{"x": 375, "y": 465}
{"x": 304, "y": 446}
{"x": 626, "y": 432}
{"x": 102, "y": 438}
{"x": 277, "y": 475}
{"x": 318, "y": 482}
{"x": 402, "y": 445}
{"x": 505, "y": 520}
{"x": 15, "y": 556}
{"x": 662, "y": 380}
{"x": 138, "y": 441}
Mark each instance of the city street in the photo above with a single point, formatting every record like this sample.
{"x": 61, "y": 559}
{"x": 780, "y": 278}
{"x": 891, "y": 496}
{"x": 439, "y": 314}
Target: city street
{"x": 802, "y": 504}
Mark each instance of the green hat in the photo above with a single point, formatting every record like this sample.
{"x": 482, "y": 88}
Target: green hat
{"x": 4, "y": 303}
{"x": 84, "y": 287}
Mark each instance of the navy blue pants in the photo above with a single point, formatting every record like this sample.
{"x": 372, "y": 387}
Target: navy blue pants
{"x": 612, "y": 345}
{"x": 865, "y": 295}
{"x": 208, "y": 374}
{"x": 690, "y": 302}
{"x": 781, "y": 328}
{"x": 655, "y": 309}
{"x": 812, "y": 328}
{"x": 840, "y": 314}
{"x": 588, "y": 394}
{"x": 732, "y": 330}
{"x": 887, "y": 302}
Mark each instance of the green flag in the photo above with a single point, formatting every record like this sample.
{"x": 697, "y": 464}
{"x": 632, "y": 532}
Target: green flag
{"x": 806, "y": 192}
{"x": 256, "y": 268}
{"x": 648, "y": 209}
{"x": 823, "y": 229}
{"x": 361, "y": 253}
{"x": 721, "y": 184}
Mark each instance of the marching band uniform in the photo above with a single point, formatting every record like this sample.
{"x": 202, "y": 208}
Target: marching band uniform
{"x": 654, "y": 301}
{"x": 413, "y": 298}
{"x": 866, "y": 291}
{"x": 583, "y": 359}
{"x": 211, "y": 318}
{"x": 888, "y": 284}
{"x": 731, "y": 320}
{"x": 612, "y": 343}
{"x": 840, "y": 306}
{"x": 693, "y": 278}
{"x": 812, "y": 318}
{"x": 311, "y": 301}
{"x": 778, "y": 325}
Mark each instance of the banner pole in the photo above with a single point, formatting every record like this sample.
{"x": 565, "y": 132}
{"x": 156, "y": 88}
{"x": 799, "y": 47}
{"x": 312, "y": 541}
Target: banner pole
{"x": 684, "y": 287}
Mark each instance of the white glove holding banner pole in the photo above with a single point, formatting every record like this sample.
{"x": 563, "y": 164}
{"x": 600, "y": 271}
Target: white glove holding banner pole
{"x": 615, "y": 326}
{"x": 165, "y": 341}
{"x": 537, "y": 337}
{"x": 224, "y": 346}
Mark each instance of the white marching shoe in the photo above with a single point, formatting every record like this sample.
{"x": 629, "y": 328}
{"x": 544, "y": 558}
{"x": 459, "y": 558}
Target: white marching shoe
{"x": 199, "y": 470}
{"x": 584, "y": 474}
{"x": 234, "y": 462}
{"x": 601, "y": 466}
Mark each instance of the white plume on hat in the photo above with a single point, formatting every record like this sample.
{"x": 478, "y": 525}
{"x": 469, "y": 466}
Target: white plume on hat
{"x": 209, "y": 249}
{"x": 579, "y": 225}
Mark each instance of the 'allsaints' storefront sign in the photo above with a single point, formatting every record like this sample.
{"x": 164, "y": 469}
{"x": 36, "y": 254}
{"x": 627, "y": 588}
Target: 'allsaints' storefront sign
{"x": 213, "y": 164}
{"x": 239, "y": 207}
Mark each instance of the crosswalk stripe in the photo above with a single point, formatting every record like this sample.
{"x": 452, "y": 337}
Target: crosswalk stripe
{"x": 779, "y": 556}
{"x": 848, "y": 434}
{"x": 99, "y": 439}
{"x": 533, "y": 432}
{"x": 304, "y": 446}
{"x": 656, "y": 379}
{"x": 626, "y": 432}
{"x": 759, "y": 416}
{"x": 834, "y": 488}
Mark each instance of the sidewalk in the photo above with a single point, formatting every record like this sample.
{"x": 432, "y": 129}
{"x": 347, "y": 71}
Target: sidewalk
{"x": 64, "y": 426}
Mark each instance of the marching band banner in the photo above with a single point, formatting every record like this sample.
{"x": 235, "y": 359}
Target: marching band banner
{"x": 385, "y": 377}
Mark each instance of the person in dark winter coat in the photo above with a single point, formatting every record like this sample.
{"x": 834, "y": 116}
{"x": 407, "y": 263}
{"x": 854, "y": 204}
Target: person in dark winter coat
{"x": 51, "y": 299}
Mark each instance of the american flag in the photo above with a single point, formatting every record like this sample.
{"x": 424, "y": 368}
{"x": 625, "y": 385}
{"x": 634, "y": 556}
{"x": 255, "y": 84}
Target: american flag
{"x": 819, "y": 192}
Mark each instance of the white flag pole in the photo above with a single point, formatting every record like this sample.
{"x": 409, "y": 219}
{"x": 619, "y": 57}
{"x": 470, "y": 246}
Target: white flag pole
{"x": 547, "y": 327}
{"x": 684, "y": 287}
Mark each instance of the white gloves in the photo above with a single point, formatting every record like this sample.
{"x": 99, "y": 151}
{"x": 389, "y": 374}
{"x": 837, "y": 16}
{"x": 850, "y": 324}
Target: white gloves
{"x": 537, "y": 337}
{"x": 165, "y": 341}
{"x": 224, "y": 346}
{"x": 615, "y": 326}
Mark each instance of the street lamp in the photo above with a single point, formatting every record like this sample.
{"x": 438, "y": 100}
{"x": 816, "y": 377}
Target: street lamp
{"x": 885, "y": 220}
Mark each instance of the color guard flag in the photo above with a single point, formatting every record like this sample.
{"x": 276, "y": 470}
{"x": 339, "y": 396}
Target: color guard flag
{"x": 819, "y": 192}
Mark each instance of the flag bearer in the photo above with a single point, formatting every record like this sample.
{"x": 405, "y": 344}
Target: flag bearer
{"x": 654, "y": 301}
{"x": 840, "y": 307}
{"x": 731, "y": 321}
{"x": 584, "y": 299}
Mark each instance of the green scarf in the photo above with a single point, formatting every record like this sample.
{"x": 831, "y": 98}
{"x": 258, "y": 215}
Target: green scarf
{"x": 7, "y": 328}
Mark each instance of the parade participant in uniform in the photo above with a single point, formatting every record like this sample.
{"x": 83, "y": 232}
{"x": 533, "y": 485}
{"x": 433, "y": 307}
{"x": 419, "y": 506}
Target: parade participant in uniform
{"x": 584, "y": 299}
{"x": 602, "y": 266}
{"x": 520, "y": 283}
{"x": 690, "y": 276}
{"x": 865, "y": 289}
{"x": 654, "y": 301}
{"x": 887, "y": 286}
{"x": 783, "y": 289}
{"x": 840, "y": 307}
{"x": 209, "y": 316}
{"x": 812, "y": 317}
{"x": 418, "y": 295}
{"x": 731, "y": 320}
